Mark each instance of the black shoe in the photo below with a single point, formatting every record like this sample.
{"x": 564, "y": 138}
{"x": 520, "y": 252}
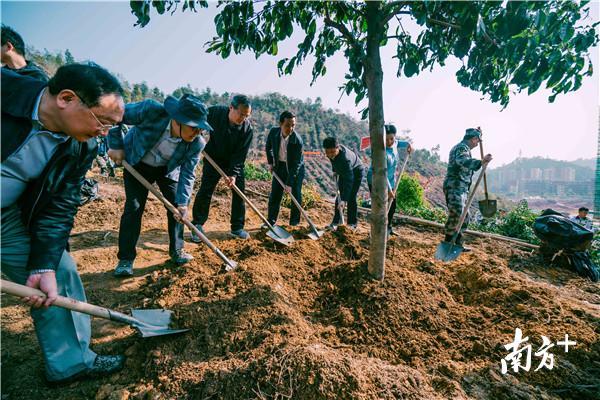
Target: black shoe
{"x": 103, "y": 366}
{"x": 124, "y": 269}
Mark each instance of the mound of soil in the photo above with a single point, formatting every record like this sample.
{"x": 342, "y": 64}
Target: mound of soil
{"x": 307, "y": 322}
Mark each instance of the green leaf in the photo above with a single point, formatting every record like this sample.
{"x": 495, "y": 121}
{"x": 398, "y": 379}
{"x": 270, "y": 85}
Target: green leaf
{"x": 312, "y": 28}
{"x": 410, "y": 68}
{"x": 273, "y": 50}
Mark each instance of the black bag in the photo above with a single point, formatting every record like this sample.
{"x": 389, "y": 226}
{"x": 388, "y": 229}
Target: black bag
{"x": 89, "y": 191}
{"x": 565, "y": 244}
{"x": 559, "y": 231}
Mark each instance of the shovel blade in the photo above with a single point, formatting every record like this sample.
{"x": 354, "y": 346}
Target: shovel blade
{"x": 447, "y": 251}
{"x": 315, "y": 235}
{"x": 488, "y": 208}
{"x": 155, "y": 322}
{"x": 230, "y": 266}
{"x": 280, "y": 235}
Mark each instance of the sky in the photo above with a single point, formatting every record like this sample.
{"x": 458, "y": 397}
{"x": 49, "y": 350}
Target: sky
{"x": 170, "y": 52}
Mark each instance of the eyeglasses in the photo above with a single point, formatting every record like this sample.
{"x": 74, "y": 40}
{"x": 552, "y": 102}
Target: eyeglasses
{"x": 103, "y": 127}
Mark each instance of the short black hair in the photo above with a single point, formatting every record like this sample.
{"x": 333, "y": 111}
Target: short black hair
{"x": 584, "y": 209}
{"x": 240, "y": 100}
{"x": 88, "y": 80}
{"x": 286, "y": 115}
{"x": 390, "y": 129}
{"x": 10, "y": 35}
{"x": 330, "y": 143}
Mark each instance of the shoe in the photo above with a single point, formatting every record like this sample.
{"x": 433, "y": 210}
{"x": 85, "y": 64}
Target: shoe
{"x": 124, "y": 269}
{"x": 103, "y": 366}
{"x": 240, "y": 234}
{"x": 292, "y": 224}
{"x": 180, "y": 257}
{"x": 353, "y": 227}
{"x": 196, "y": 238}
{"x": 391, "y": 232}
{"x": 265, "y": 227}
{"x": 460, "y": 242}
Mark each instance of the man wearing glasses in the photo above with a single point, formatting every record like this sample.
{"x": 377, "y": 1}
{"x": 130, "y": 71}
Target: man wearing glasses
{"x": 48, "y": 145}
{"x": 164, "y": 146}
{"x": 228, "y": 146}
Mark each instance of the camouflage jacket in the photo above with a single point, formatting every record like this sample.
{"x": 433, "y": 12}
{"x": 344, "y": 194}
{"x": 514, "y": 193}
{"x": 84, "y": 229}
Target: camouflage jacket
{"x": 461, "y": 167}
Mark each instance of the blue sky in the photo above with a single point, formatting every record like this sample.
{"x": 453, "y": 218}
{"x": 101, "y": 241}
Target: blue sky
{"x": 170, "y": 52}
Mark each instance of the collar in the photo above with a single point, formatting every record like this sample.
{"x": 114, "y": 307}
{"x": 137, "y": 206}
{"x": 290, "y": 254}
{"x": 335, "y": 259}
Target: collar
{"x": 35, "y": 114}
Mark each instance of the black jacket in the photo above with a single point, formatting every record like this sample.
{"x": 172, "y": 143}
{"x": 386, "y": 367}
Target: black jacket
{"x": 346, "y": 164}
{"x": 295, "y": 155}
{"x": 228, "y": 145}
{"x": 49, "y": 204}
{"x": 32, "y": 70}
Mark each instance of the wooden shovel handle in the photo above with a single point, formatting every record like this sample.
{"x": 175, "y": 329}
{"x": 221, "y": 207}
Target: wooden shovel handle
{"x": 71, "y": 304}
{"x": 175, "y": 211}
{"x": 470, "y": 198}
{"x": 484, "y": 176}
{"x": 304, "y": 213}
{"x": 398, "y": 179}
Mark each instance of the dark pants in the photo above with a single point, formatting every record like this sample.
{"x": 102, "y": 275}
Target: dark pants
{"x": 277, "y": 194}
{"x": 352, "y": 205}
{"x": 135, "y": 202}
{"x": 210, "y": 178}
{"x": 392, "y": 208}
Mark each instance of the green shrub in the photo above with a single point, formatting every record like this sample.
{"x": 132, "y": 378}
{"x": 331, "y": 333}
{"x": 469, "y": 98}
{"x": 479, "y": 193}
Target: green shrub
{"x": 410, "y": 193}
{"x": 310, "y": 197}
{"x": 517, "y": 223}
{"x": 435, "y": 214}
{"x": 255, "y": 172}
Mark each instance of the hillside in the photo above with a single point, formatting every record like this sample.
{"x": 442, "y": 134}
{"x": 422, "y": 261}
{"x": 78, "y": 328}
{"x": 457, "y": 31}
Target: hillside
{"x": 306, "y": 322}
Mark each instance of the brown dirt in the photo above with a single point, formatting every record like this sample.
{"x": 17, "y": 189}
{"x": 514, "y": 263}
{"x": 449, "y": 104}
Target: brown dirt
{"x": 306, "y": 322}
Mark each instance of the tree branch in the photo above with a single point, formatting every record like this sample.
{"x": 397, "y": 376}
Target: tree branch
{"x": 343, "y": 30}
{"x": 443, "y": 23}
{"x": 391, "y": 9}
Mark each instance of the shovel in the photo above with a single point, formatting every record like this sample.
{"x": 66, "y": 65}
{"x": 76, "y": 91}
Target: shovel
{"x": 449, "y": 251}
{"x": 338, "y": 200}
{"x": 275, "y": 232}
{"x": 315, "y": 234}
{"x": 229, "y": 264}
{"x": 487, "y": 207}
{"x": 149, "y": 323}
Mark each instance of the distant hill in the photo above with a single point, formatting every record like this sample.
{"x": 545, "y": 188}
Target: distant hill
{"x": 543, "y": 177}
{"x": 582, "y": 171}
{"x": 586, "y": 162}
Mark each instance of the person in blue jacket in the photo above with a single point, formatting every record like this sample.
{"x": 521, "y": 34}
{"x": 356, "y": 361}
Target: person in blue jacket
{"x": 393, "y": 158}
{"x": 164, "y": 146}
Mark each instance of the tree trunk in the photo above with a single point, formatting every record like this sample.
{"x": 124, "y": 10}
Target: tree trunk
{"x": 374, "y": 81}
